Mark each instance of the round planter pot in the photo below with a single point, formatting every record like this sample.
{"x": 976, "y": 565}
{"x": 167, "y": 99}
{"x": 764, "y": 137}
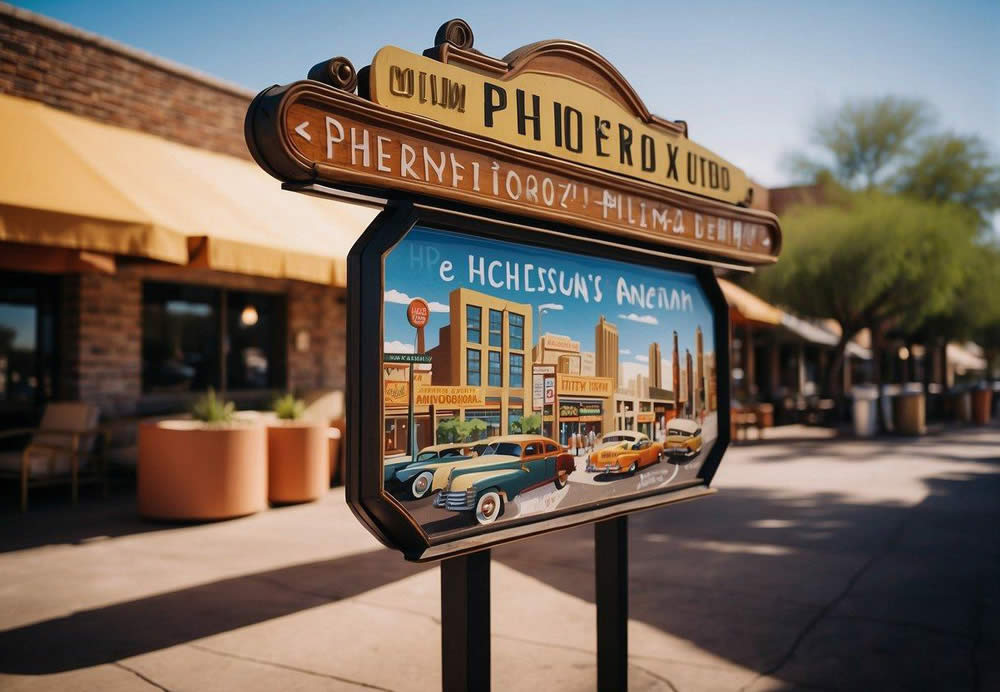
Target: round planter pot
{"x": 298, "y": 461}
{"x": 192, "y": 470}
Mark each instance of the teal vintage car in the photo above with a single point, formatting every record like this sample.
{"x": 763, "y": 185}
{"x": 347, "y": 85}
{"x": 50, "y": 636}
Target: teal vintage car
{"x": 483, "y": 489}
{"x": 404, "y": 476}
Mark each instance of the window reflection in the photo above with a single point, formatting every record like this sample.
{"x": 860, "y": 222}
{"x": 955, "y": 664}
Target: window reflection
{"x": 180, "y": 337}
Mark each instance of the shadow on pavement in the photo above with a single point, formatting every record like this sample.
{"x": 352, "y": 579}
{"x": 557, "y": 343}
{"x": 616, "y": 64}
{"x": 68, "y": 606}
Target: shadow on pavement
{"x": 103, "y": 635}
{"x": 821, "y": 590}
{"x": 60, "y": 524}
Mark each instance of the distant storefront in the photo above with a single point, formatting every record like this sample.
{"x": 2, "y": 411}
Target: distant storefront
{"x": 143, "y": 257}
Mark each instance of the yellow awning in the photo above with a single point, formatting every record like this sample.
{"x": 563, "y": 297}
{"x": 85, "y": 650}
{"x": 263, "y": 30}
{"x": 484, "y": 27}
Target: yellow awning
{"x": 749, "y": 307}
{"x": 70, "y": 182}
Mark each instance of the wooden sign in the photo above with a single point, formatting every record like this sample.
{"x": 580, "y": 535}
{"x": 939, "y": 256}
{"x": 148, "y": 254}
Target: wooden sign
{"x": 543, "y": 233}
{"x": 526, "y": 103}
{"x": 312, "y": 132}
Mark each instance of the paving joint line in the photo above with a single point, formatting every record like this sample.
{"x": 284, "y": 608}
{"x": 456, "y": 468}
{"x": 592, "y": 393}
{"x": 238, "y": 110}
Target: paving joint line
{"x": 141, "y": 676}
{"x": 283, "y": 666}
{"x": 659, "y": 677}
{"x": 813, "y": 622}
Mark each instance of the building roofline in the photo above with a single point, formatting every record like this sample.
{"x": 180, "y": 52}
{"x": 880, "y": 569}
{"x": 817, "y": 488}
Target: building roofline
{"x": 56, "y": 26}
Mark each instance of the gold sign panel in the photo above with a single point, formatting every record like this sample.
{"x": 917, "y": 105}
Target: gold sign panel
{"x": 584, "y": 386}
{"x": 555, "y": 115}
{"x": 449, "y": 396}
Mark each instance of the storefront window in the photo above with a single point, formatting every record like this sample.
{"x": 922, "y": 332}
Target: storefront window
{"x": 180, "y": 337}
{"x": 255, "y": 325}
{"x": 490, "y": 416}
{"x": 196, "y": 337}
{"x": 496, "y": 370}
{"x": 27, "y": 346}
{"x": 474, "y": 324}
{"x": 516, "y": 331}
{"x": 514, "y": 422}
{"x": 473, "y": 367}
{"x": 516, "y": 370}
{"x": 496, "y": 328}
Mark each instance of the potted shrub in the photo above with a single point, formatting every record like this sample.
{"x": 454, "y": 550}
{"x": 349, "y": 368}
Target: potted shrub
{"x": 298, "y": 454}
{"x": 211, "y": 466}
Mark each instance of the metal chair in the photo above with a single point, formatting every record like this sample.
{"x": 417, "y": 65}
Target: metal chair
{"x": 67, "y": 446}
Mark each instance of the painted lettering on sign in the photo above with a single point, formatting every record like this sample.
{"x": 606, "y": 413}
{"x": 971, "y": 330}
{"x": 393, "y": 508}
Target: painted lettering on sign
{"x": 347, "y": 147}
{"x": 555, "y": 115}
{"x": 591, "y": 386}
{"x": 449, "y": 396}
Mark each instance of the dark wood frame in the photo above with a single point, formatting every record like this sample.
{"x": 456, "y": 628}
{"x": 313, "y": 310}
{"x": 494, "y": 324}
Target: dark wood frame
{"x": 382, "y": 514}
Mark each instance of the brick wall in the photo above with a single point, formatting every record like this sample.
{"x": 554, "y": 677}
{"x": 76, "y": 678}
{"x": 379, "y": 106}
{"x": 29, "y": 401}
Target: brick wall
{"x": 108, "y": 349}
{"x": 48, "y": 61}
{"x": 321, "y": 313}
{"x": 102, "y": 335}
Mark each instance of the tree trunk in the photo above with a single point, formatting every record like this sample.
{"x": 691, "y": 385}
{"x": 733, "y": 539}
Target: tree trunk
{"x": 930, "y": 347}
{"x": 835, "y": 381}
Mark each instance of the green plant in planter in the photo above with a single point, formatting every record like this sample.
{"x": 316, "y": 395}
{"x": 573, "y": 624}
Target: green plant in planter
{"x": 213, "y": 409}
{"x": 289, "y": 408}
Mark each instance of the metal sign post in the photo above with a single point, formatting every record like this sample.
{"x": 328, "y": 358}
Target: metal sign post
{"x": 465, "y": 623}
{"x": 611, "y": 594}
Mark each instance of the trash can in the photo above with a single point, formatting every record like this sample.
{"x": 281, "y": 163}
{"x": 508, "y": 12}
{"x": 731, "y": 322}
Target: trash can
{"x": 863, "y": 411}
{"x": 910, "y": 413}
{"x": 982, "y": 406}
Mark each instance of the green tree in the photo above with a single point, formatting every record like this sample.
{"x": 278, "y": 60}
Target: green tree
{"x": 458, "y": 430}
{"x": 953, "y": 169}
{"x": 450, "y": 430}
{"x": 862, "y": 142}
{"x": 874, "y": 261}
{"x": 532, "y": 424}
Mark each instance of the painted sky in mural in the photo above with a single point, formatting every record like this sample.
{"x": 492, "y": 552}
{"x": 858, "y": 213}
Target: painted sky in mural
{"x": 570, "y": 292}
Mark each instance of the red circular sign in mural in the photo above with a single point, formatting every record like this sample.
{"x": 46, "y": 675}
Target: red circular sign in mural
{"x": 418, "y": 312}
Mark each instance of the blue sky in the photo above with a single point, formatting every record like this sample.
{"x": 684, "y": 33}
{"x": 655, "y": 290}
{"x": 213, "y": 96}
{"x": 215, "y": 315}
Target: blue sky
{"x": 748, "y": 77}
{"x": 414, "y": 269}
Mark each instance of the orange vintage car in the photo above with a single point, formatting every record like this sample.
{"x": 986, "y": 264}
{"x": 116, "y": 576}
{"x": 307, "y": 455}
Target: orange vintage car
{"x": 626, "y": 454}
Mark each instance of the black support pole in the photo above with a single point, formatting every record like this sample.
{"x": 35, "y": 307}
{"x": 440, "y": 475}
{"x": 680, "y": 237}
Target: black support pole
{"x": 611, "y": 571}
{"x": 465, "y": 623}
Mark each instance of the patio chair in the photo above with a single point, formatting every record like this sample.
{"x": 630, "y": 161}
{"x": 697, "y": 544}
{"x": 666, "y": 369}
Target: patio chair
{"x": 63, "y": 448}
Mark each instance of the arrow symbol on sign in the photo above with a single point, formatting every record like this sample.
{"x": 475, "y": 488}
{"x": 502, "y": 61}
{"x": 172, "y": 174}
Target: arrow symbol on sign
{"x": 301, "y": 130}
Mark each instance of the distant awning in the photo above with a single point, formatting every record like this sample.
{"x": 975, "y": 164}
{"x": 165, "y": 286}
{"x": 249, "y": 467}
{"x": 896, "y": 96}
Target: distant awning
{"x": 963, "y": 357}
{"x": 746, "y": 308}
{"x": 819, "y": 333}
{"x": 70, "y": 182}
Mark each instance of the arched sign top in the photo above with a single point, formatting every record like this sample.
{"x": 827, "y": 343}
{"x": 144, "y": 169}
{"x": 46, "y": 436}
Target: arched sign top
{"x": 557, "y": 98}
{"x": 552, "y": 132}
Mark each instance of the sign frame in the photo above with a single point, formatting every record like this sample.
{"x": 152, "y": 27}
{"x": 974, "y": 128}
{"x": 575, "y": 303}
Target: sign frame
{"x": 384, "y": 515}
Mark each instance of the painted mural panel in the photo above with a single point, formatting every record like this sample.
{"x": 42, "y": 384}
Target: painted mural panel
{"x": 541, "y": 380}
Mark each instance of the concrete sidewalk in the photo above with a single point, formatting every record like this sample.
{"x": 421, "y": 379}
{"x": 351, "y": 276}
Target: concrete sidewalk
{"x": 821, "y": 565}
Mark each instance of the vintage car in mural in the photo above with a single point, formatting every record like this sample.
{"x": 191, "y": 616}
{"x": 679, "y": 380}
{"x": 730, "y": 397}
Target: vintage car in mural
{"x": 683, "y": 439}
{"x": 414, "y": 480}
{"x": 624, "y": 452}
{"x": 617, "y": 437}
{"x": 404, "y": 474}
{"x": 520, "y": 463}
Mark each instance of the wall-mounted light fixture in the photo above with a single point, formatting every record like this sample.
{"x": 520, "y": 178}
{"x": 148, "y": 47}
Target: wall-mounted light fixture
{"x": 249, "y": 316}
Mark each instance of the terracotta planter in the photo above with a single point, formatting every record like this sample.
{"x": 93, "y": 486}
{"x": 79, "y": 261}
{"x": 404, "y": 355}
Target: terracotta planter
{"x": 298, "y": 461}
{"x": 192, "y": 470}
{"x": 982, "y": 404}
